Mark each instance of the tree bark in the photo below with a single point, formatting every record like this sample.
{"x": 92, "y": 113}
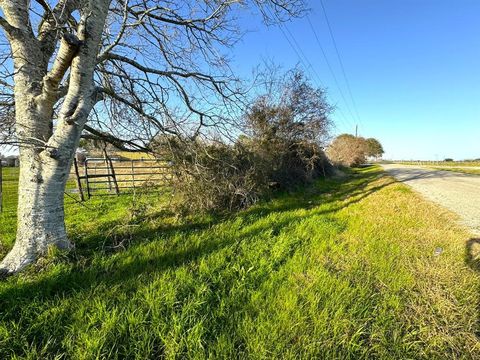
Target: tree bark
{"x": 46, "y": 154}
{"x": 40, "y": 212}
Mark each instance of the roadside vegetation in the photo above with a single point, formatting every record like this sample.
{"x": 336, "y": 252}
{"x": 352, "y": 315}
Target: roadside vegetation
{"x": 466, "y": 170}
{"x": 349, "y": 150}
{"x": 279, "y": 149}
{"x": 452, "y": 164}
{"x": 358, "y": 267}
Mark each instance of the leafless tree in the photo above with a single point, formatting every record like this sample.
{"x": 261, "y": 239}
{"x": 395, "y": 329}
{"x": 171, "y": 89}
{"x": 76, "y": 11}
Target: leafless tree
{"x": 121, "y": 70}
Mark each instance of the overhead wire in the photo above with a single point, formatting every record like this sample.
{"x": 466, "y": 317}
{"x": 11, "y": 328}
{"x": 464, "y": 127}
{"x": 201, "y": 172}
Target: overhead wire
{"x": 306, "y": 62}
{"x": 329, "y": 66}
{"x": 342, "y": 67}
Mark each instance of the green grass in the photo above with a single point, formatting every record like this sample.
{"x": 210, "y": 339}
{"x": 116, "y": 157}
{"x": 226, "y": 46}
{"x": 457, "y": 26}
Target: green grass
{"x": 344, "y": 269}
{"x": 9, "y": 203}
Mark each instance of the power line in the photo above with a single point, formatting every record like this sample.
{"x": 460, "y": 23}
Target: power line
{"x": 305, "y": 61}
{"x": 332, "y": 72}
{"x": 296, "y": 47}
{"x": 340, "y": 60}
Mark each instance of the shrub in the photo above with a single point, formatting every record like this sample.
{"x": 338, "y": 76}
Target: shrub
{"x": 217, "y": 176}
{"x": 280, "y": 149}
{"x": 347, "y": 150}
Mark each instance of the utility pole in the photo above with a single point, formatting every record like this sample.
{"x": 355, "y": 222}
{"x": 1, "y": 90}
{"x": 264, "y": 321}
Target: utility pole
{"x": 356, "y": 130}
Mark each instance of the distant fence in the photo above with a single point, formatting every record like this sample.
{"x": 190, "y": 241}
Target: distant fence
{"x": 95, "y": 177}
{"x": 111, "y": 176}
{"x": 8, "y": 188}
{"x": 437, "y": 163}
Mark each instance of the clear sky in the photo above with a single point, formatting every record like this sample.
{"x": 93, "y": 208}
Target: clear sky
{"x": 413, "y": 67}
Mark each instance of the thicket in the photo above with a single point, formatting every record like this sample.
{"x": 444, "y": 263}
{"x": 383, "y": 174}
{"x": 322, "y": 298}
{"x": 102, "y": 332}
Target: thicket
{"x": 348, "y": 150}
{"x": 280, "y": 149}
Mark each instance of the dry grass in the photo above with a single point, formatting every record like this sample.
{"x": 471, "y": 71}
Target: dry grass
{"x": 475, "y": 171}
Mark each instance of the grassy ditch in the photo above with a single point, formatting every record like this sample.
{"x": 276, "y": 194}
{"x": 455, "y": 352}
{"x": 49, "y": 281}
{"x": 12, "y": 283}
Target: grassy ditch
{"x": 355, "y": 268}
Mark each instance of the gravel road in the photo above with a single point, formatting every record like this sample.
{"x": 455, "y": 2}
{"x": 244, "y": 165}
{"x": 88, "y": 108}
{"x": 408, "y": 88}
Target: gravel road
{"x": 457, "y": 192}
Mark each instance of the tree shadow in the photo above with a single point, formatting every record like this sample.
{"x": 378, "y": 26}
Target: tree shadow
{"x": 87, "y": 271}
{"x": 349, "y": 190}
{"x": 472, "y": 259}
{"x": 83, "y": 273}
{"x": 413, "y": 174}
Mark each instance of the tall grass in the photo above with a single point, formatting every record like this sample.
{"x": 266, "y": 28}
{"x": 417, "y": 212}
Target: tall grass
{"x": 354, "y": 268}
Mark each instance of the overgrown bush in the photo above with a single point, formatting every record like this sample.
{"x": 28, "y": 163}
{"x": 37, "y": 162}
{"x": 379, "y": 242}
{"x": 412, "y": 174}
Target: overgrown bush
{"x": 280, "y": 149}
{"x": 347, "y": 150}
{"x": 216, "y": 176}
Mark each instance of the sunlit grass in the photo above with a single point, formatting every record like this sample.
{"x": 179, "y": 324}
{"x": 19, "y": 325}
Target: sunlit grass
{"x": 354, "y": 268}
{"x": 452, "y": 164}
{"x": 460, "y": 170}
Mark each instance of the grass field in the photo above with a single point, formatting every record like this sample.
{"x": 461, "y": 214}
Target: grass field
{"x": 451, "y": 164}
{"x": 357, "y": 268}
{"x": 9, "y": 204}
{"x": 465, "y": 170}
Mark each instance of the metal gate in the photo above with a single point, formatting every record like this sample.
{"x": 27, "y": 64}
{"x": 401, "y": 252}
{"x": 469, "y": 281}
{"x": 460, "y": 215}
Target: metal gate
{"x": 112, "y": 176}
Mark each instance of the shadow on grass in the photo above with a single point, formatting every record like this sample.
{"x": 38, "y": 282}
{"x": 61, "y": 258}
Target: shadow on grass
{"x": 472, "y": 258}
{"x": 85, "y": 273}
{"x": 472, "y": 253}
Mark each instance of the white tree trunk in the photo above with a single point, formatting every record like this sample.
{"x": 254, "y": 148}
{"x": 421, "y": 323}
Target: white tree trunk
{"x": 46, "y": 154}
{"x": 40, "y": 212}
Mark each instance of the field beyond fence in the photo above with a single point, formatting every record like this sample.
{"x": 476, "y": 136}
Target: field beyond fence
{"x": 438, "y": 163}
{"x": 94, "y": 177}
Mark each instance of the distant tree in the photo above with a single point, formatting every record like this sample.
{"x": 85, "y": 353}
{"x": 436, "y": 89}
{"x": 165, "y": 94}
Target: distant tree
{"x": 348, "y": 150}
{"x": 448, "y": 160}
{"x": 374, "y": 148}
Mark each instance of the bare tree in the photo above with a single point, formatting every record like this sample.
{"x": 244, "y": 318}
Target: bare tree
{"x": 122, "y": 70}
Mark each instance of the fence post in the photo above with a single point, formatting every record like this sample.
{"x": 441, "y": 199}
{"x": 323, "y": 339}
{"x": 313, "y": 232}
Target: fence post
{"x": 107, "y": 165}
{"x": 133, "y": 176}
{"x": 1, "y": 187}
{"x": 77, "y": 177}
{"x": 86, "y": 178}
{"x": 115, "y": 183}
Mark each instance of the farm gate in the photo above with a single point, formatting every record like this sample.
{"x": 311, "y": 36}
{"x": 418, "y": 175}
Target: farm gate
{"x": 112, "y": 176}
{"x": 95, "y": 177}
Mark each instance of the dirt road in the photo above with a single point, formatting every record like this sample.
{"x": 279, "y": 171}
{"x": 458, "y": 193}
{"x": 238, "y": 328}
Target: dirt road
{"x": 457, "y": 192}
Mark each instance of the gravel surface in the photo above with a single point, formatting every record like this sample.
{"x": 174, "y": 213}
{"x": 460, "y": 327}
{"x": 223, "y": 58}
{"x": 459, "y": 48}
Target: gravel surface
{"x": 457, "y": 192}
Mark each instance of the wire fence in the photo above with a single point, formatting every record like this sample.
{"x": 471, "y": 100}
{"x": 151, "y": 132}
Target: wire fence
{"x": 439, "y": 163}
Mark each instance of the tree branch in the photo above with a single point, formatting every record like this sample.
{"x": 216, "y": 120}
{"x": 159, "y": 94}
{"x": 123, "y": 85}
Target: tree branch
{"x": 115, "y": 141}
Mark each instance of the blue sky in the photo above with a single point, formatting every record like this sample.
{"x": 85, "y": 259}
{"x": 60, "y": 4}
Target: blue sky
{"x": 413, "y": 69}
